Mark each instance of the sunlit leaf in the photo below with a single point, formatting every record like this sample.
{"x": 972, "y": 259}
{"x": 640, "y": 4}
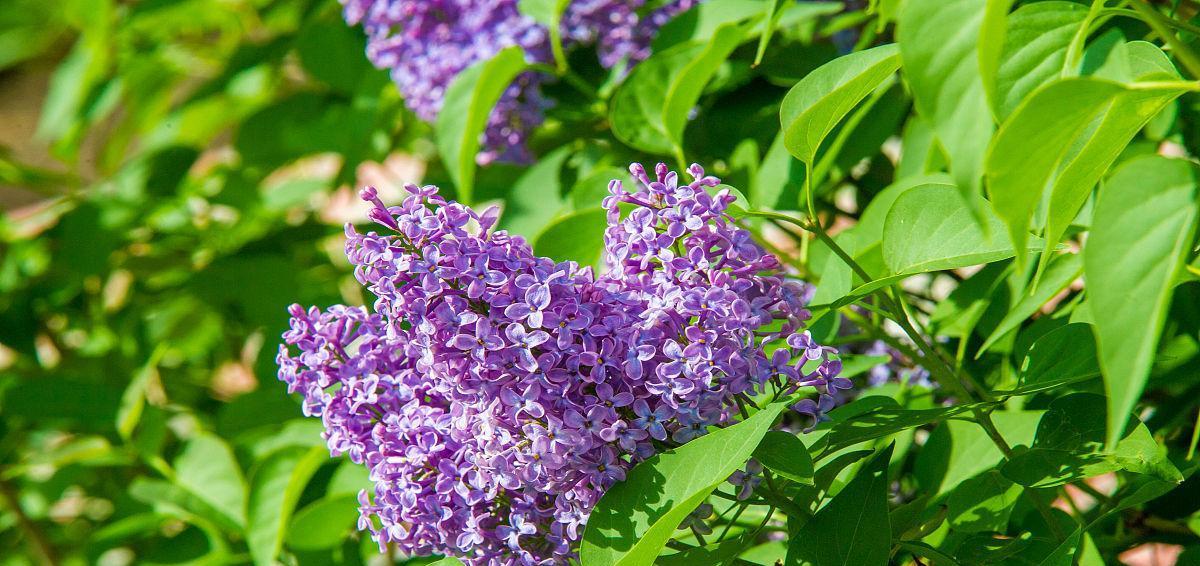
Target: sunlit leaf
{"x": 1142, "y": 227}
{"x": 821, "y": 99}
{"x": 636, "y": 517}
{"x": 275, "y": 490}
{"x": 468, "y": 104}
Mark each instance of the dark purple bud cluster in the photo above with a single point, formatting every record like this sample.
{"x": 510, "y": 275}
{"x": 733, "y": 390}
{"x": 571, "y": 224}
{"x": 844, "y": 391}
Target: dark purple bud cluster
{"x": 495, "y": 395}
{"x": 426, "y": 43}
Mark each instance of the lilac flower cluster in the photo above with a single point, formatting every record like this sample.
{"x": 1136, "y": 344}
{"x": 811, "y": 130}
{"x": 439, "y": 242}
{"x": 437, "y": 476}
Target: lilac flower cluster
{"x": 495, "y": 395}
{"x": 426, "y": 43}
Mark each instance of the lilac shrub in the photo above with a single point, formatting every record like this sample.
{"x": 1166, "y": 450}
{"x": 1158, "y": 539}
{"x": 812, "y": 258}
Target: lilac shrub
{"x": 426, "y": 43}
{"x": 495, "y": 395}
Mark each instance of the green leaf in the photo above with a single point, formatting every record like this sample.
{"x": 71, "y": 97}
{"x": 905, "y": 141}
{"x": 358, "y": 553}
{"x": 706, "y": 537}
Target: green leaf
{"x": 589, "y": 191}
{"x": 771, "y": 20}
{"x": 778, "y": 179}
{"x": 349, "y": 479}
{"x": 545, "y": 12}
{"x": 931, "y": 228}
{"x": 938, "y": 41}
{"x": 275, "y": 489}
{"x": 813, "y": 107}
{"x": 206, "y": 467}
{"x": 1143, "y": 224}
{"x": 578, "y": 236}
{"x": 1063, "y": 356}
{"x": 133, "y": 400}
{"x": 716, "y": 554}
{"x": 548, "y": 13}
{"x": 701, "y": 22}
{"x": 332, "y": 53}
{"x": 323, "y": 524}
{"x": 1070, "y": 446}
{"x": 1063, "y": 270}
{"x": 633, "y": 520}
{"x": 447, "y": 561}
{"x": 982, "y": 503}
{"x": 958, "y": 450}
{"x": 849, "y": 529}
{"x": 469, "y": 101}
{"x": 650, "y": 109}
{"x": 537, "y": 195}
{"x": 176, "y": 501}
{"x": 786, "y": 455}
{"x": 1065, "y": 135}
{"x": 936, "y": 556}
{"x": 1035, "y": 49}
{"x": 877, "y": 422}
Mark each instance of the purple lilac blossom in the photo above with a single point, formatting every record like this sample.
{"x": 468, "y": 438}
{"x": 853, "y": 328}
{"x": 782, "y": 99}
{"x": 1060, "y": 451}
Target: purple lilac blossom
{"x": 494, "y": 395}
{"x": 426, "y": 43}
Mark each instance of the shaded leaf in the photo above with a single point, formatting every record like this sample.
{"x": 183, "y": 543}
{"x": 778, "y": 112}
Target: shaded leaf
{"x": 1070, "y": 445}
{"x": 847, "y": 530}
{"x": 650, "y": 109}
{"x": 786, "y": 455}
{"x": 1062, "y": 271}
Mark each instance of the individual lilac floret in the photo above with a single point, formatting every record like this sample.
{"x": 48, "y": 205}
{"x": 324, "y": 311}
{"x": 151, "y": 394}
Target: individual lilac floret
{"x": 427, "y": 43}
{"x": 495, "y": 395}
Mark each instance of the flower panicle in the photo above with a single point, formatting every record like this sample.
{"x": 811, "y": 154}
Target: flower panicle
{"x": 494, "y": 395}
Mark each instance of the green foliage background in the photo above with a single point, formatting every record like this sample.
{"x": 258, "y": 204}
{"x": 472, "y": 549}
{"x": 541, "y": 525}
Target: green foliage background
{"x": 193, "y": 161}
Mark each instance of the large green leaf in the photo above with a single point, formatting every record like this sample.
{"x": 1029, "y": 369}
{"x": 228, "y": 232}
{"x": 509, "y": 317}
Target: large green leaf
{"x": 635, "y": 518}
{"x": 958, "y": 450}
{"x": 822, "y": 98}
{"x": 931, "y": 228}
{"x": 650, "y": 109}
{"x": 469, "y": 101}
{"x": 1035, "y": 49}
{"x": 1142, "y": 227}
{"x": 938, "y": 41}
{"x": 207, "y": 468}
{"x": 851, "y": 530}
{"x": 1070, "y": 446}
{"x": 1064, "y": 136}
{"x": 275, "y": 489}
